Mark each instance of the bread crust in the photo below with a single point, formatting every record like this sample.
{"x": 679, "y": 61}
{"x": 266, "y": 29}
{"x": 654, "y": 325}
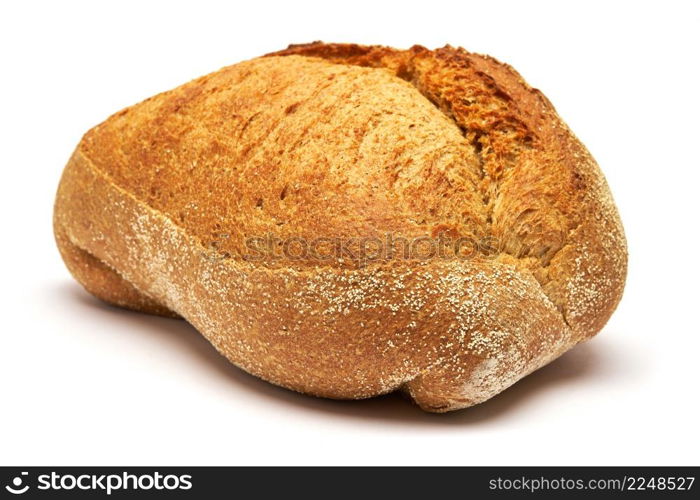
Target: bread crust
{"x": 156, "y": 208}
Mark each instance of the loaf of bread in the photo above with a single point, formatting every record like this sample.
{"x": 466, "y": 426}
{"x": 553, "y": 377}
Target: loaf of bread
{"x": 347, "y": 221}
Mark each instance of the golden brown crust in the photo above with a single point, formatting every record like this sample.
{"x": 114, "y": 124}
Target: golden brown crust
{"x": 157, "y": 205}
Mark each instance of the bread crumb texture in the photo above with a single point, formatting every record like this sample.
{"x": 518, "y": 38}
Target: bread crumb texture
{"x": 157, "y": 204}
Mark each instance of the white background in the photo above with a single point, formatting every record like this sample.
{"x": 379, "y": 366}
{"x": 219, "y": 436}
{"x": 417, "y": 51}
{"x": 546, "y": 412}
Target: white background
{"x": 84, "y": 383}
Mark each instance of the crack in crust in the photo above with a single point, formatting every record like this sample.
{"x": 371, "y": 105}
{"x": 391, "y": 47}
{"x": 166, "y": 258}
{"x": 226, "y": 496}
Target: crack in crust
{"x": 483, "y": 110}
